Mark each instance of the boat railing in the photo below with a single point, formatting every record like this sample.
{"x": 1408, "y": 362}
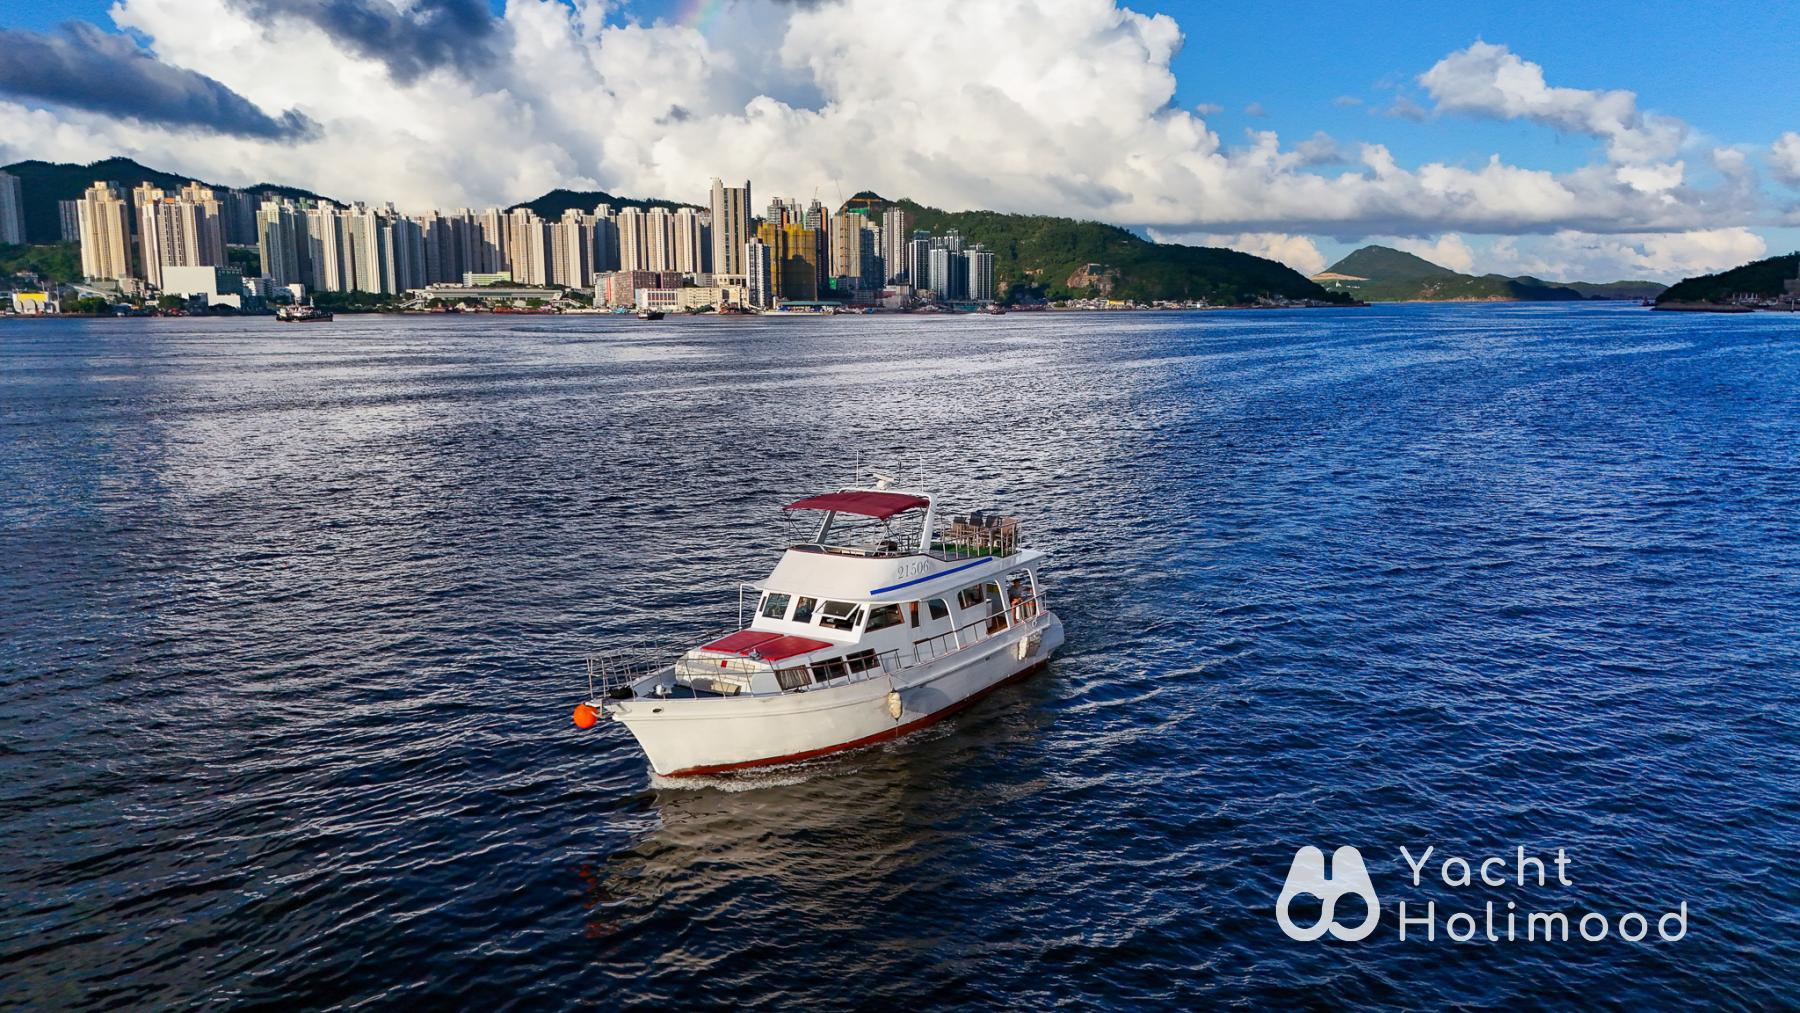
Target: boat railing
{"x": 618, "y": 667}
{"x": 1016, "y": 612}
{"x": 723, "y": 676}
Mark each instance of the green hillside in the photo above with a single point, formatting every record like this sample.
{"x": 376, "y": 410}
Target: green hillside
{"x": 1762, "y": 277}
{"x": 554, "y": 203}
{"x": 51, "y": 261}
{"x": 1382, "y": 274}
{"x": 1384, "y": 264}
{"x": 1040, "y": 256}
{"x": 43, "y": 184}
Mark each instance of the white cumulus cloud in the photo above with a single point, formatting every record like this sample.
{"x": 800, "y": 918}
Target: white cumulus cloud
{"x": 1046, "y": 106}
{"x": 1490, "y": 80}
{"x": 1784, "y": 158}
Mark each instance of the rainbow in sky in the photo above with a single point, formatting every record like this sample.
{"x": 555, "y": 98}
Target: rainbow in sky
{"x": 700, "y": 14}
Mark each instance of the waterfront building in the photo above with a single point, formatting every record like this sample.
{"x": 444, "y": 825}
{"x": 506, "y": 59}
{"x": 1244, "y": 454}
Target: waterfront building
{"x": 948, "y": 274}
{"x": 796, "y": 262}
{"x": 980, "y": 272}
{"x": 606, "y": 239}
{"x": 634, "y": 240}
{"x": 368, "y": 259}
{"x": 406, "y": 250}
{"x": 690, "y": 297}
{"x": 846, "y": 245}
{"x": 918, "y": 261}
{"x": 68, "y": 214}
{"x": 573, "y": 263}
{"x": 896, "y": 232}
{"x": 730, "y": 207}
{"x": 758, "y": 291}
{"x": 619, "y": 288}
{"x": 329, "y": 262}
{"x": 495, "y": 244}
{"x": 281, "y": 242}
{"x": 691, "y": 247}
{"x": 180, "y": 231}
{"x": 12, "y": 211}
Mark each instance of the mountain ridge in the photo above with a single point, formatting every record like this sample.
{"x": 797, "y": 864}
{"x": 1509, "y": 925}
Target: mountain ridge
{"x": 1384, "y": 274}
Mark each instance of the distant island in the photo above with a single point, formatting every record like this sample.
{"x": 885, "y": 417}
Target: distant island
{"x": 1773, "y": 283}
{"x": 1383, "y": 274}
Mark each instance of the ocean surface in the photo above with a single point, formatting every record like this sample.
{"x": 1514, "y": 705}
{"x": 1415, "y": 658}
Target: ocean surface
{"x": 294, "y": 619}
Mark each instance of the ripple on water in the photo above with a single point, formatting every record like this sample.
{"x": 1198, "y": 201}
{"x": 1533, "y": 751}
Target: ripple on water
{"x": 294, "y": 623}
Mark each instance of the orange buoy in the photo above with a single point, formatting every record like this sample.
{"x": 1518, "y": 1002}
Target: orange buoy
{"x": 585, "y": 715}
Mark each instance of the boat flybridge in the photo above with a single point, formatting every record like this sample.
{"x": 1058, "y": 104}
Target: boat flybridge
{"x": 881, "y": 622}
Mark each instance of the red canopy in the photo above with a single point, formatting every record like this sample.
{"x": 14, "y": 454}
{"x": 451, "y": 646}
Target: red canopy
{"x": 880, "y": 505}
{"x": 765, "y": 645}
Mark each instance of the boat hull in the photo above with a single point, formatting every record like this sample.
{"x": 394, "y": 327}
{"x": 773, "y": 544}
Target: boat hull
{"x": 683, "y": 737}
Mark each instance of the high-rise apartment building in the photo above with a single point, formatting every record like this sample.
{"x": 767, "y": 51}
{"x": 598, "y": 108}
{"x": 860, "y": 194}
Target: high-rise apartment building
{"x": 12, "y": 210}
{"x": 634, "y": 244}
{"x": 606, "y": 240}
{"x": 846, "y": 246}
{"x": 691, "y": 252}
{"x": 896, "y": 232}
{"x": 918, "y": 261}
{"x": 281, "y": 240}
{"x": 495, "y": 243}
{"x": 185, "y": 230}
{"x": 68, "y": 214}
{"x": 796, "y": 261}
{"x": 330, "y": 265}
{"x": 758, "y": 289}
{"x": 730, "y": 227}
{"x": 237, "y": 215}
{"x": 105, "y": 222}
{"x": 980, "y": 272}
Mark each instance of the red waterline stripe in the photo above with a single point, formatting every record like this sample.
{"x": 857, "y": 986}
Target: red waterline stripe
{"x": 891, "y": 733}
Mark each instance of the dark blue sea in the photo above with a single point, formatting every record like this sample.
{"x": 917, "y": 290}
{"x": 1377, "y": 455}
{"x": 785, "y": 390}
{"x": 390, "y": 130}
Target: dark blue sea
{"x": 294, "y": 619}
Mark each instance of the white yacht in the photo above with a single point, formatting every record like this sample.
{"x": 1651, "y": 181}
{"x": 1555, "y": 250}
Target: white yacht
{"x": 882, "y": 623}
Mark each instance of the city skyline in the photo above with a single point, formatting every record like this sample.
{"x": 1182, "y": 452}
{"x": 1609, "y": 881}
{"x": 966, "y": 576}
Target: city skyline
{"x": 1481, "y": 144}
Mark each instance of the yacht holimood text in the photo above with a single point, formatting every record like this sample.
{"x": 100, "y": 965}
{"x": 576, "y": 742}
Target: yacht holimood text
{"x": 1493, "y": 922}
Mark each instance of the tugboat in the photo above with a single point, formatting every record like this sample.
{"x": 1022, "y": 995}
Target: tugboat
{"x": 302, "y": 313}
{"x": 650, "y": 314}
{"x": 878, "y": 625}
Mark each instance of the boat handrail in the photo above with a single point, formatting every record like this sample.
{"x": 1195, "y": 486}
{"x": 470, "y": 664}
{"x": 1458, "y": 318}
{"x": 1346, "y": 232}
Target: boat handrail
{"x": 615, "y": 669}
{"x": 941, "y": 645}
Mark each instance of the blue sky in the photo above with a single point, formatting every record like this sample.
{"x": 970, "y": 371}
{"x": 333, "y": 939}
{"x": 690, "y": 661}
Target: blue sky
{"x": 1348, "y": 70}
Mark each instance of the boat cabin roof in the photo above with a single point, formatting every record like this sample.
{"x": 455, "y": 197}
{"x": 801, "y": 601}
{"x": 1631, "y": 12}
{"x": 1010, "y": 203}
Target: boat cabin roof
{"x": 865, "y": 502}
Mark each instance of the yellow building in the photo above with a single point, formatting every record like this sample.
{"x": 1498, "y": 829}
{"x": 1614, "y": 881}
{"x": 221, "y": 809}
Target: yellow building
{"x": 33, "y": 304}
{"x": 796, "y": 261}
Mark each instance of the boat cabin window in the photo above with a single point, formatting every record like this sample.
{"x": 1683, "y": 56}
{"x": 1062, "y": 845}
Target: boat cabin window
{"x": 840, "y": 615}
{"x": 912, "y": 609}
{"x": 829, "y": 669}
{"x": 969, "y": 597}
{"x": 803, "y": 609}
{"x": 883, "y": 616}
{"x": 939, "y": 609}
{"x": 775, "y": 605}
{"x": 861, "y": 661}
